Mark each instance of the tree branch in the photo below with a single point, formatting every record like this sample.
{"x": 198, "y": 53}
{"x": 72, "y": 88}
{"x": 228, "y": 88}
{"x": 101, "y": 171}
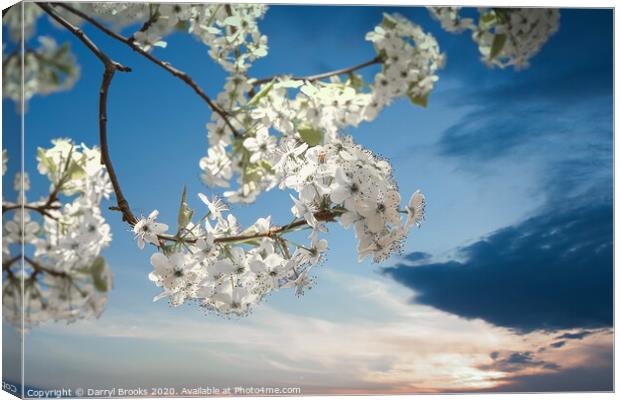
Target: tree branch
{"x": 323, "y": 215}
{"x": 147, "y": 24}
{"x": 39, "y": 268}
{"x": 6, "y": 265}
{"x": 323, "y": 75}
{"x": 109, "y": 71}
{"x": 165, "y": 65}
{"x": 83, "y": 38}
{"x": 42, "y": 209}
{"x": 110, "y": 67}
{"x": 123, "y": 205}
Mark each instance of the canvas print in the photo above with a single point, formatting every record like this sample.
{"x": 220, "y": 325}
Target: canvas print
{"x": 211, "y": 199}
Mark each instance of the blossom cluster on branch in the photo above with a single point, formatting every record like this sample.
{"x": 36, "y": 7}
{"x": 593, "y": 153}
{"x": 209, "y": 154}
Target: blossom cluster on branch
{"x": 505, "y": 36}
{"x": 48, "y": 68}
{"x": 227, "y": 269}
{"x": 313, "y": 111}
{"x": 63, "y": 276}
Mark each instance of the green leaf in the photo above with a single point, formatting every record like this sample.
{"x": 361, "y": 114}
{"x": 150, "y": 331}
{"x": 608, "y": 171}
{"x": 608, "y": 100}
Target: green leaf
{"x": 498, "y": 44}
{"x": 420, "y": 100}
{"x": 311, "y": 135}
{"x": 45, "y": 160}
{"x": 487, "y": 20}
{"x": 75, "y": 171}
{"x": 62, "y": 50}
{"x": 55, "y": 77}
{"x": 182, "y": 26}
{"x": 356, "y": 81}
{"x": 388, "y": 22}
{"x": 185, "y": 213}
{"x": 65, "y": 69}
{"x": 261, "y": 93}
{"x": 503, "y": 14}
{"x": 102, "y": 279}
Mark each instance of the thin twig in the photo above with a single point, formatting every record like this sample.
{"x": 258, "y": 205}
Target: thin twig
{"x": 39, "y": 268}
{"x": 165, "y": 65}
{"x": 6, "y": 265}
{"x": 324, "y": 75}
{"x": 323, "y": 216}
{"x": 42, "y": 209}
{"x": 147, "y": 24}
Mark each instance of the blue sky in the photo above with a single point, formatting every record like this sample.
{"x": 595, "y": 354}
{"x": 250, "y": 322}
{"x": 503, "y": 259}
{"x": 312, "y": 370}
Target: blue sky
{"x": 515, "y": 252}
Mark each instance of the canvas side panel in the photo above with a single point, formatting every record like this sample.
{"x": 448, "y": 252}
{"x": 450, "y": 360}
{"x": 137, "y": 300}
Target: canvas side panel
{"x": 12, "y": 304}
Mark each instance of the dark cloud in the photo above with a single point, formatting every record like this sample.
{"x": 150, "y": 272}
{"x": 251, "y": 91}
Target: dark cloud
{"x": 553, "y": 271}
{"x": 417, "y": 256}
{"x": 579, "y": 379}
{"x": 516, "y": 361}
{"x": 577, "y": 335}
{"x": 557, "y": 345}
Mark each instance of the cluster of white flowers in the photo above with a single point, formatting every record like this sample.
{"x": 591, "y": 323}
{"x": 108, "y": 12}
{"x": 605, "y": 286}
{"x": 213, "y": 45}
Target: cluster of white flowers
{"x": 229, "y": 30}
{"x": 205, "y": 262}
{"x": 313, "y": 112}
{"x": 450, "y": 18}
{"x": 411, "y": 60}
{"x": 228, "y": 270}
{"x": 64, "y": 275}
{"x": 505, "y": 36}
{"x": 13, "y": 20}
{"x": 231, "y": 33}
{"x": 47, "y": 69}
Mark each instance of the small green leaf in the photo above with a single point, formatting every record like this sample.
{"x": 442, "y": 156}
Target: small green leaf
{"x": 388, "y": 22}
{"x": 185, "y": 213}
{"x": 55, "y": 77}
{"x": 182, "y": 26}
{"x": 65, "y": 69}
{"x": 62, "y": 50}
{"x": 503, "y": 14}
{"x": 420, "y": 100}
{"x": 487, "y": 20}
{"x": 75, "y": 171}
{"x": 102, "y": 279}
{"x": 45, "y": 160}
{"x": 498, "y": 44}
{"x": 311, "y": 135}
{"x": 356, "y": 81}
{"x": 261, "y": 93}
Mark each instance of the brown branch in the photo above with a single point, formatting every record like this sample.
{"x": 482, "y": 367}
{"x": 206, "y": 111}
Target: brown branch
{"x": 110, "y": 67}
{"x": 324, "y": 75}
{"x": 165, "y": 65}
{"x": 147, "y": 25}
{"x": 123, "y": 205}
{"x": 83, "y": 38}
{"x": 108, "y": 75}
{"x": 324, "y": 216}
{"x": 42, "y": 209}
{"x": 39, "y": 268}
{"x": 6, "y": 265}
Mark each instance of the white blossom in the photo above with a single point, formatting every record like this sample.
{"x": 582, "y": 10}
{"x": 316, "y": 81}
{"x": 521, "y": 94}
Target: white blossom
{"x": 147, "y": 230}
